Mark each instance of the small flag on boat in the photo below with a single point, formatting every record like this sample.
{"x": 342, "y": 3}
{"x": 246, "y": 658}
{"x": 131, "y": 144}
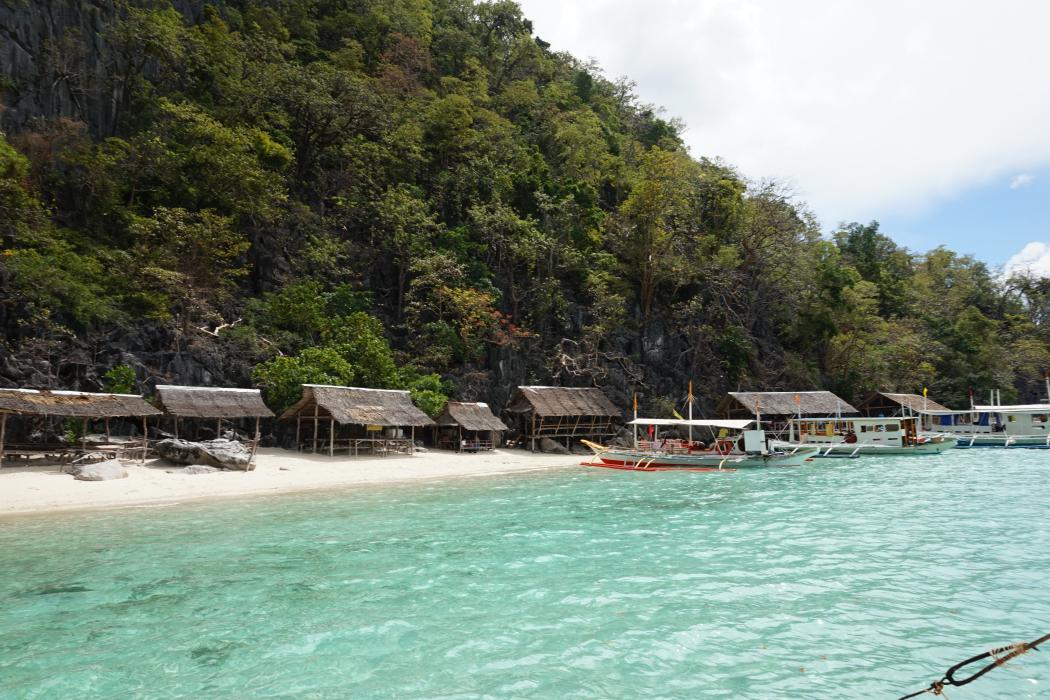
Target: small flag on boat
{"x": 691, "y": 390}
{"x": 677, "y": 414}
{"x": 798, "y": 400}
{"x": 635, "y": 402}
{"x": 924, "y": 391}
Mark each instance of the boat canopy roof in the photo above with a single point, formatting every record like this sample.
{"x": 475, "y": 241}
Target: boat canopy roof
{"x": 853, "y": 419}
{"x": 1019, "y": 408}
{"x": 729, "y": 424}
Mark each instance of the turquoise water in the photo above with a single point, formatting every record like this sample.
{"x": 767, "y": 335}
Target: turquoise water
{"x": 859, "y": 579}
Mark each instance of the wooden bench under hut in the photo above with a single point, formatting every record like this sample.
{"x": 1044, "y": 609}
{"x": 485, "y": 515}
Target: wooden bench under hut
{"x": 468, "y": 427}
{"x": 886, "y": 405}
{"x": 88, "y": 407}
{"x": 776, "y": 408}
{"x": 555, "y": 412}
{"x": 343, "y": 418}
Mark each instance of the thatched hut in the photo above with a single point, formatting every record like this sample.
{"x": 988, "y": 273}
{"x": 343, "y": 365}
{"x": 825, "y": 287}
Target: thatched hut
{"x": 773, "y": 404}
{"x": 69, "y": 404}
{"x": 358, "y": 420}
{"x": 884, "y": 404}
{"x": 200, "y": 403}
{"x": 468, "y": 426}
{"x": 562, "y": 412}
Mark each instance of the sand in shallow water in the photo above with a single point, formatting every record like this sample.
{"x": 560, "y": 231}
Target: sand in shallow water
{"x": 46, "y": 488}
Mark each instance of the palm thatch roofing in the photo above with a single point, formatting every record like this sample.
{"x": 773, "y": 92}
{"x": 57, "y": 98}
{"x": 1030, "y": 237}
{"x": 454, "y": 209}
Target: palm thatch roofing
{"x": 470, "y": 416}
{"x": 353, "y": 405}
{"x": 913, "y": 402}
{"x": 782, "y": 403}
{"x": 562, "y": 401}
{"x": 211, "y": 402}
{"x": 73, "y": 404}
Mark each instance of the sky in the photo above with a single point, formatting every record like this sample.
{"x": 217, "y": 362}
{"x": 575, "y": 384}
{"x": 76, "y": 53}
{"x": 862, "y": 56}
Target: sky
{"x": 930, "y": 116}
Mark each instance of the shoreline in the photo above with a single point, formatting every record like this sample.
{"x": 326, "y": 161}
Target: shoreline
{"x": 42, "y": 490}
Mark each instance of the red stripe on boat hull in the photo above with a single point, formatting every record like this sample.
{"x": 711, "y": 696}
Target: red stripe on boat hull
{"x": 656, "y": 467}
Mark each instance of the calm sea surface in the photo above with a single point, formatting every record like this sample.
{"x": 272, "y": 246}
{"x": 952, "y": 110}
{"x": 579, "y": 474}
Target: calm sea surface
{"x": 843, "y": 579}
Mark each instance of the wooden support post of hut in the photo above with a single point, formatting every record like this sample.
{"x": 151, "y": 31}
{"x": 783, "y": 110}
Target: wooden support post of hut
{"x": 218, "y": 403}
{"x": 377, "y": 421}
{"x": 67, "y": 404}
{"x": 474, "y": 426}
{"x": 538, "y": 412}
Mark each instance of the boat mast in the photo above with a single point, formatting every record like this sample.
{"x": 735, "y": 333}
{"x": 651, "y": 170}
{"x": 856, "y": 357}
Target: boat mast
{"x": 691, "y": 408}
{"x": 634, "y": 425}
{"x": 1048, "y": 387}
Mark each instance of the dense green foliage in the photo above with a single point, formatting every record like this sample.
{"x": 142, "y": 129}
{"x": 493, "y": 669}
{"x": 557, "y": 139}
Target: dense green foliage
{"x": 420, "y": 194}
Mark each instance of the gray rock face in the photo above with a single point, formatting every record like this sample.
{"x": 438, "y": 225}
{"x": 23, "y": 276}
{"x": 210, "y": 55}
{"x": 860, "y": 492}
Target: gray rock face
{"x": 225, "y": 454}
{"x": 100, "y": 471}
{"x": 551, "y": 447}
{"x": 198, "y": 469}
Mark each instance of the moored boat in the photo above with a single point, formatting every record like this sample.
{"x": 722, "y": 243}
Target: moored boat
{"x": 992, "y": 426}
{"x": 734, "y": 446}
{"x": 854, "y": 437}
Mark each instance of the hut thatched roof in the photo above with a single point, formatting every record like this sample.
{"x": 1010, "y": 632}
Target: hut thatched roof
{"x": 73, "y": 404}
{"x": 211, "y": 402}
{"x": 347, "y": 404}
{"x": 782, "y": 403}
{"x": 470, "y": 416}
{"x": 562, "y": 401}
{"x": 914, "y": 402}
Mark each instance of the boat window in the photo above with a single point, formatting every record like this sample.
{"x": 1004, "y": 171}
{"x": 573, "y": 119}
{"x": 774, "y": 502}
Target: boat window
{"x": 1012, "y": 418}
{"x": 893, "y": 427}
{"x": 1039, "y": 418}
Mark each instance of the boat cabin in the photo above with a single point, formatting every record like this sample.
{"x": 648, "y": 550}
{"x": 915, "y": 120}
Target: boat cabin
{"x": 1005, "y": 425}
{"x": 880, "y": 432}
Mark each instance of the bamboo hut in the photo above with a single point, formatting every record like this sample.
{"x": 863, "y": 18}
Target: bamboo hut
{"x": 884, "y": 404}
{"x": 776, "y": 408}
{"x": 200, "y": 404}
{"x": 562, "y": 412}
{"x": 72, "y": 404}
{"x": 468, "y": 427}
{"x": 336, "y": 418}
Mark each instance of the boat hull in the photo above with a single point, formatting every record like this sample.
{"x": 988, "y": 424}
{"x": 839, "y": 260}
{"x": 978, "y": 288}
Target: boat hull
{"x": 857, "y": 450}
{"x": 648, "y": 461}
{"x": 987, "y": 440}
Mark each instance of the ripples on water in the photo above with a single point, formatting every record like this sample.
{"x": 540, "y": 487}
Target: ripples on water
{"x": 861, "y": 579}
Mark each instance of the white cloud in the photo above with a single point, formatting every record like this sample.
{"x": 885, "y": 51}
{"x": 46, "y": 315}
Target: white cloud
{"x": 870, "y": 109}
{"x": 1022, "y": 180}
{"x": 1033, "y": 260}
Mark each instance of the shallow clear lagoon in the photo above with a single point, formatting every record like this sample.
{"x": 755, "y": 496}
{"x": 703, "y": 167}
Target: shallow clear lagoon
{"x": 861, "y": 579}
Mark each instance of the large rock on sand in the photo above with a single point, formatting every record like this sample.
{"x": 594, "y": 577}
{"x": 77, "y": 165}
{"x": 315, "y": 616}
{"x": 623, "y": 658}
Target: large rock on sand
{"x": 100, "y": 471}
{"x": 551, "y": 447}
{"x": 225, "y": 454}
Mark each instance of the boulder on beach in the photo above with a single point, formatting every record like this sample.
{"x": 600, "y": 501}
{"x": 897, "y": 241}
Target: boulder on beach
{"x": 224, "y": 454}
{"x": 551, "y": 447}
{"x": 99, "y": 471}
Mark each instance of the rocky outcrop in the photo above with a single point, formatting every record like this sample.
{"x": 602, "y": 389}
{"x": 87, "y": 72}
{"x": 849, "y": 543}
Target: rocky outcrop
{"x": 100, "y": 471}
{"x": 224, "y": 454}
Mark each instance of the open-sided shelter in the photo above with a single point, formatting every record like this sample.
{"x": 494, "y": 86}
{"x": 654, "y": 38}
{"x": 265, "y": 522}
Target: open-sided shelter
{"x": 69, "y": 404}
{"x": 211, "y": 403}
{"x": 562, "y": 412}
{"x": 355, "y": 419}
{"x": 468, "y": 426}
{"x": 775, "y": 408}
{"x": 884, "y": 404}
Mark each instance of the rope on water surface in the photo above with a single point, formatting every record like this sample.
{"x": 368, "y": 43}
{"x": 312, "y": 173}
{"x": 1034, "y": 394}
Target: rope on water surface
{"x": 999, "y": 657}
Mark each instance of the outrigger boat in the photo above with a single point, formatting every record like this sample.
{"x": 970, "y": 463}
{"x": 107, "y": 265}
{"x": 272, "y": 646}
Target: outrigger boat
{"x": 992, "y": 426}
{"x": 734, "y": 447}
{"x": 853, "y": 437}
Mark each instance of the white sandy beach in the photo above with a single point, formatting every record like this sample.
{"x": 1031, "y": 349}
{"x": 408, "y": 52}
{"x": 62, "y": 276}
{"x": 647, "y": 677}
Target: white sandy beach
{"x": 39, "y": 489}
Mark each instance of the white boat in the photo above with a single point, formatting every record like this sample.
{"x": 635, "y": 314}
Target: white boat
{"x": 992, "y": 425}
{"x": 854, "y": 437}
{"x": 735, "y": 445}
